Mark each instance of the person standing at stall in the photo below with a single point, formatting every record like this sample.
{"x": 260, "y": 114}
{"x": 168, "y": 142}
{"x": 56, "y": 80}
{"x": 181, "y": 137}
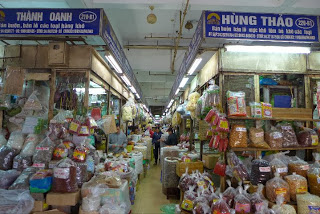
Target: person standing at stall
{"x": 172, "y": 139}
{"x": 156, "y": 144}
{"x": 117, "y": 141}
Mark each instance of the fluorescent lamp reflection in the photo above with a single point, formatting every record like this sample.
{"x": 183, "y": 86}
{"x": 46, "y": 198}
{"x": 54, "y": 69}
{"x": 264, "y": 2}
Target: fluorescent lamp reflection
{"x": 113, "y": 62}
{"x": 183, "y": 82}
{"x": 170, "y": 103}
{"x": 267, "y": 49}
{"x": 94, "y": 91}
{"x": 177, "y": 91}
{"x": 138, "y": 96}
{"x": 126, "y": 80}
{"x": 133, "y": 90}
{"x": 194, "y": 65}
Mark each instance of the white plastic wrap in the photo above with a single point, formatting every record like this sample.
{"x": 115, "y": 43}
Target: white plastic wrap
{"x": 170, "y": 177}
{"x": 138, "y": 160}
{"x": 15, "y": 202}
{"x": 136, "y": 138}
{"x": 30, "y": 144}
{"x": 91, "y": 203}
{"x": 16, "y": 140}
{"x": 110, "y": 208}
{"x": 142, "y": 149}
{"x": 127, "y": 114}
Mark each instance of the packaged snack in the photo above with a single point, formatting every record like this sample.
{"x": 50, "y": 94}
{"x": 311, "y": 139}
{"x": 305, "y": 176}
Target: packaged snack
{"x": 74, "y": 127}
{"x": 289, "y": 136}
{"x": 22, "y": 162}
{"x": 6, "y": 157}
{"x": 8, "y": 177}
{"x": 22, "y": 182}
{"x": 188, "y": 199}
{"x": 65, "y": 177}
{"x": 314, "y": 176}
{"x": 242, "y": 203}
{"x": 278, "y": 166}
{"x": 201, "y": 208}
{"x": 256, "y": 136}
{"x": 274, "y": 138}
{"x": 238, "y": 136}
{"x": 298, "y": 166}
{"x": 211, "y": 114}
{"x": 266, "y": 110}
{"x": 223, "y": 124}
{"x": 79, "y": 154}
{"x": 307, "y": 138}
{"x": 41, "y": 181}
{"x": 256, "y": 110}
{"x": 257, "y": 200}
{"x": 221, "y": 207}
{"x": 60, "y": 152}
{"x": 282, "y": 208}
{"x": 229, "y": 194}
{"x": 260, "y": 171}
{"x": 277, "y": 186}
{"x": 220, "y": 168}
{"x": 297, "y": 184}
{"x": 84, "y": 130}
{"x": 308, "y": 204}
{"x": 236, "y": 103}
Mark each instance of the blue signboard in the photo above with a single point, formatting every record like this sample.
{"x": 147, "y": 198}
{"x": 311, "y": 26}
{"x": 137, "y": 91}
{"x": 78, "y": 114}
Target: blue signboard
{"x": 264, "y": 27}
{"x": 49, "y": 21}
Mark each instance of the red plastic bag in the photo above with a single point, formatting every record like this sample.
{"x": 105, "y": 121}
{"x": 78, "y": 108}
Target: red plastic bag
{"x": 96, "y": 113}
{"x": 220, "y": 168}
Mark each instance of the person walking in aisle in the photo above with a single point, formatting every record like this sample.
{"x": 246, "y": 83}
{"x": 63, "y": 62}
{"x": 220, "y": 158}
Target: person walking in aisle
{"x": 117, "y": 141}
{"x": 156, "y": 144}
{"x": 172, "y": 139}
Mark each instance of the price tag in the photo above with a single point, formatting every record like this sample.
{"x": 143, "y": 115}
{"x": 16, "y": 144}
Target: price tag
{"x": 39, "y": 148}
{"x": 304, "y": 167}
{"x": 39, "y": 165}
{"x": 62, "y": 173}
{"x": 277, "y": 135}
{"x": 281, "y": 191}
{"x": 282, "y": 170}
{"x": 260, "y": 134}
{"x": 241, "y": 129}
{"x": 265, "y": 169}
{"x": 286, "y": 128}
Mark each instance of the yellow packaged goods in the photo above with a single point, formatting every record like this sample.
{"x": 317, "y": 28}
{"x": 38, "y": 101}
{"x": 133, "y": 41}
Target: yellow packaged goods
{"x": 297, "y": 184}
{"x": 256, "y": 136}
{"x": 266, "y": 110}
{"x": 238, "y": 136}
{"x": 277, "y": 187}
{"x": 308, "y": 204}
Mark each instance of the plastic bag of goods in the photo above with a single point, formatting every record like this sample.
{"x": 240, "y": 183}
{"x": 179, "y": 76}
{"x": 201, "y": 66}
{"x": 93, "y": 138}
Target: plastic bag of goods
{"x": 239, "y": 170}
{"x": 229, "y": 194}
{"x": 307, "y": 138}
{"x": 213, "y": 95}
{"x": 3, "y": 140}
{"x": 201, "y": 208}
{"x": 8, "y": 177}
{"x": 170, "y": 178}
{"x": 7, "y": 155}
{"x": 308, "y": 203}
{"x": 289, "y": 136}
{"x": 15, "y": 201}
{"x": 236, "y": 103}
{"x": 274, "y": 138}
{"x": 43, "y": 153}
{"x": 298, "y": 166}
{"x": 242, "y": 203}
{"x": 186, "y": 181}
{"x": 16, "y": 140}
{"x": 282, "y": 208}
{"x": 22, "y": 162}
{"x": 127, "y": 114}
{"x": 41, "y": 181}
{"x": 82, "y": 173}
{"x": 22, "y": 182}
{"x": 142, "y": 149}
{"x": 221, "y": 207}
{"x": 110, "y": 208}
{"x": 238, "y": 136}
{"x": 256, "y": 136}
{"x": 266, "y": 110}
{"x": 65, "y": 177}
{"x": 277, "y": 166}
{"x": 314, "y": 176}
{"x": 297, "y": 184}
{"x": 91, "y": 203}
{"x": 276, "y": 187}
{"x": 138, "y": 159}
{"x": 256, "y": 110}
{"x": 260, "y": 171}
{"x": 193, "y": 98}
{"x": 30, "y": 144}
{"x": 188, "y": 199}
{"x": 60, "y": 152}
{"x": 257, "y": 200}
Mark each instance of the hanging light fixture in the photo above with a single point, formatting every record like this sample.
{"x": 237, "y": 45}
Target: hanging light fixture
{"x": 151, "y": 18}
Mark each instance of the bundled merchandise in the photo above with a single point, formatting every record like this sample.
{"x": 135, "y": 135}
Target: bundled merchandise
{"x": 192, "y": 104}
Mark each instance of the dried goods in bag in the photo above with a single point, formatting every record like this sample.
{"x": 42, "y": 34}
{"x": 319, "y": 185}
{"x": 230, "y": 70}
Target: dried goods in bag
{"x": 22, "y": 182}
{"x": 297, "y": 184}
{"x": 65, "y": 177}
{"x": 274, "y": 138}
{"x": 307, "y": 138}
{"x": 308, "y": 204}
{"x": 186, "y": 181}
{"x": 256, "y": 136}
{"x": 8, "y": 177}
{"x": 238, "y": 169}
{"x": 260, "y": 171}
{"x": 229, "y": 194}
{"x": 256, "y": 110}
{"x": 281, "y": 208}
{"x": 277, "y": 186}
{"x": 238, "y": 136}
{"x": 22, "y": 162}
{"x": 257, "y": 200}
{"x": 7, "y": 155}
{"x": 60, "y": 152}
{"x": 16, "y": 140}
{"x": 221, "y": 207}
{"x": 16, "y": 202}
{"x": 43, "y": 153}
{"x": 201, "y": 208}
{"x": 266, "y": 110}
{"x": 242, "y": 203}
{"x": 278, "y": 166}
{"x": 236, "y": 103}
{"x": 82, "y": 173}
{"x": 289, "y": 136}
{"x": 314, "y": 175}
{"x": 188, "y": 199}
{"x": 41, "y": 181}
{"x": 298, "y": 166}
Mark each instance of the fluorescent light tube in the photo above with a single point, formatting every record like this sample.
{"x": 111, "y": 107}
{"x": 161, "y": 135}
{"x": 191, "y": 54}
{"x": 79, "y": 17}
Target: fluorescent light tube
{"x": 183, "y": 82}
{"x": 114, "y": 63}
{"x": 137, "y": 95}
{"x": 267, "y": 49}
{"x": 177, "y": 91}
{"x": 170, "y": 103}
{"x": 133, "y": 90}
{"x": 194, "y": 65}
{"x": 126, "y": 80}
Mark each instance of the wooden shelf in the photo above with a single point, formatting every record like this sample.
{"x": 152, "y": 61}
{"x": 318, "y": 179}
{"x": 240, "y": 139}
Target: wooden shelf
{"x": 282, "y": 149}
{"x": 277, "y": 118}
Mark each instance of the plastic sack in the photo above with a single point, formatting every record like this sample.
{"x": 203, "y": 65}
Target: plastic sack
{"x": 238, "y": 136}
{"x": 229, "y": 194}
{"x": 260, "y": 171}
{"x": 65, "y": 177}
{"x": 221, "y": 207}
{"x": 257, "y": 200}
{"x": 314, "y": 175}
{"x": 15, "y": 201}
{"x": 256, "y": 136}
{"x": 7, "y": 155}
{"x": 297, "y": 184}
{"x": 188, "y": 199}
{"x": 236, "y": 103}
{"x": 3, "y": 140}
{"x": 41, "y": 181}
{"x": 21, "y": 162}
{"x": 82, "y": 173}
{"x": 33, "y": 103}
{"x": 238, "y": 169}
{"x": 8, "y": 177}
{"x": 91, "y": 203}
{"x": 242, "y": 203}
{"x": 298, "y": 166}
{"x": 22, "y": 182}
{"x": 308, "y": 203}
{"x": 43, "y": 153}
{"x": 16, "y": 140}
{"x": 30, "y": 144}
{"x": 110, "y": 208}
{"x": 274, "y": 138}
{"x": 62, "y": 116}
{"x": 186, "y": 181}
{"x": 307, "y": 138}
{"x": 281, "y": 208}
{"x": 289, "y": 136}
{"x": 168, "y": 208}
{"x": 277, "y": 166}
{"x": 201, "y": 208}
{"x": 138, "y": 160}
{"x": 277, "y": 186}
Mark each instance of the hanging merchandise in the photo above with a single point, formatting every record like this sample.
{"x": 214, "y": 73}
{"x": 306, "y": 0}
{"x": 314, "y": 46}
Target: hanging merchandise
{"x": 236, "y": 103}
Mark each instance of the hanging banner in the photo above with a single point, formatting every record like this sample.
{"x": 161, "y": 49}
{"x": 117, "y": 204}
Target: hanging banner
{"x": 264, "y": 27}
{"x": 49, "y": 21}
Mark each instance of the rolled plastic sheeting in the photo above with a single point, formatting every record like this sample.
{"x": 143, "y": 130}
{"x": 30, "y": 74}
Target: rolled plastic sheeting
{"x": 170, "y": 178}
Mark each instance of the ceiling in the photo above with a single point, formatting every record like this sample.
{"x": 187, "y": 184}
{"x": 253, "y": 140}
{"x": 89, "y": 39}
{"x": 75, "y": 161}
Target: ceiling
{"x": 152, "y": 66}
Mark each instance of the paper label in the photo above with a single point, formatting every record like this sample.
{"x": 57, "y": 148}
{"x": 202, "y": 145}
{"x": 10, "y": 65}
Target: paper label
{"x": 242, "y": 208}
{"x": 260, "y": 134}
{"x": 277, "y": 135}
{"x": 315, "y": 140}
{"x": 202, "y": 184}
{"x": 304, "y": 167}
{"x": 39, "y": 165}
{"x": 281, "y": 191}
{"x": 187, "y": 204}
{"x": 265, "y": 169}
{"x": 15, "y": 165}
{"x": 62, "y": 173}
{"x": 314, "y": 209}
{"x": 301, "y": 190}
{"x": 209, "y": 180}
{"x": 241, "y": 129}
{"x": 79, "y": 155}
{"x": 267, "y": 113}
{"x": 42, "y": 148}
{"x": 318, "y": 179}
{"x": 282, "y": 170}
{"x": 67, "y": 144}
{"x": 215, "y": 200}
{"x": 84, "y": 130}
{"x": 286, "y": 127}
{"x": 74, "y": 127}
{"x": 52, "y": 165}
{"x": 60, "y": 152}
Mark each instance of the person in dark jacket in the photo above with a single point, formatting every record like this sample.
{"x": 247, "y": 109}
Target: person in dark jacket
{"x": 156, "y": 144}
{"x": 172, "y": 139}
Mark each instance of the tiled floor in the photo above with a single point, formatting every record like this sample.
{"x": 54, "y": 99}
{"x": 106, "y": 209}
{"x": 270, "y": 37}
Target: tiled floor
{"x": 149, "y": 197}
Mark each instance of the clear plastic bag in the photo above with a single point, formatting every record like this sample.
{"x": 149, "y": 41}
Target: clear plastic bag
{"x": 274, "y": 138}
{"x": 3, "y": 140}
{"x": 242, "y": 203}
{"x": 15, "y": 201}
{"x": 256, "y": 110}
{"x": 308, "y": 204}
{"x": 314, "y": 175}
{"x": 22, "y": 182}
{"x": 260, "y": 171}
{"x": 65, "y": 177}
{"x": 281, "y": 208}
{"x": 238, "y": 136}
{"x": 41, "y": 181}
{"x": 257, "y": 200}
{"x": 221, "y": 206}
{"x": 277, "y": 166}
{"x": 298, "y": 166}
{"x": 82, "y": 173}
{"x": 201, "y": 208}
{"x": 307, "y": 138}
{"x": 256, "y": 136}
{"x": 289, "y": 136}
{"x": 277, "y": 186}
{"x": 236, "y": 103}
{"x": 186, "y": 181}
{"x": 229, "y": 194}
{"x": 33, "y": 103}
{"x": 60, "y": 152}
{"x": 43, "y": 152}
{"x": 188, "y": 199}
{"x": 8, "y": 177}
{"x": 30, "y": 145}
{"x": 91, "y": 203}
{"x": 22, "y": 162}
{"x": 238, "y": 169}
{"x": 16, "y": 140}
{"x": 297, "y": 184}
{"x": 7, "y": 155}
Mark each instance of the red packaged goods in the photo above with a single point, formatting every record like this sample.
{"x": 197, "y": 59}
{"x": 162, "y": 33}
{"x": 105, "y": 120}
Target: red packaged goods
{"x": 257, "y": 200}
{"x": 186, "y": 181}
{"x": 65, "y": 177}
{"x": 238, "y": 169}
{"x": 202, "y": 208}
{"x": 221, "y": 207}
{"x": 276, "y": 187}
{"x": 210, "y": 115}
{"x": 223, "y": 124}
{"x": 60, "y": 152}
{"x": 229, "y": 194}
{"x": 274, "y": 138}
{"x": 242, "y": 203}
{"x": 220, "y": 168}
{"x": 236, "y": 103}
{"x": 260, "y": 171}
{"x": 96, "y": 113}
{"x": 289, "y": 136}
{"x": 188, "y": 199}
{"x": 74, "y": 127}
{"x": 6, "y": 157}
{"x": 79, "y": 154}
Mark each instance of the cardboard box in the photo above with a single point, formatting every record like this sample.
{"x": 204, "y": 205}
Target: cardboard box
{"x": 49, "y": 212}
{"x": 210, "y": 160}
{"x": 192, "y": 166}
{"x": 84, "y": 212}
{"x": 39, "y": 196}
{"x": 63, "y": 199}
{"x": 40, "y": 206}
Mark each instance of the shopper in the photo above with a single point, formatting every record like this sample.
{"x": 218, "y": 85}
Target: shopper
{"x": 117, "y": 141}
{"x": 172, "y": 139}
{"x": 156, "y": 144}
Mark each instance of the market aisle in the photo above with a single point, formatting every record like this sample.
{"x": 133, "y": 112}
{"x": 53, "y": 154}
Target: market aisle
{"x": 149, "y": 197}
